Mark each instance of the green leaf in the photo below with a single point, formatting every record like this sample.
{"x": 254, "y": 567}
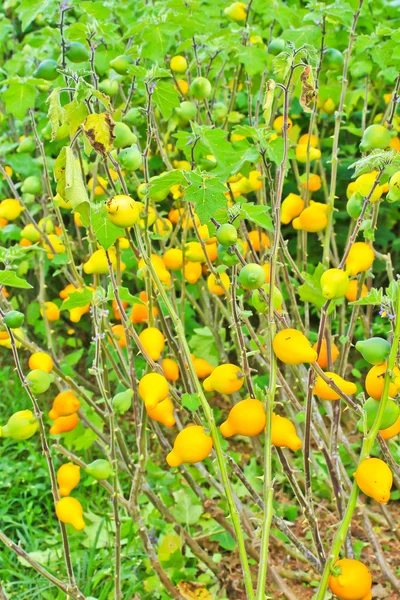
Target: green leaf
{"x": 275, "y": 150}
{"x": 106, "y": 232}
{"x": 259, "y": 215}
{"x": 28, "y": 10}
{"x": 19, "y": 97}
{"x": 191, "y": 402}
{"x": 166, "y": 97}
{"x": 10, "y": 279}
{"x": 73, "y": 358}
{"x": 203, "y": 345}
{"x": 55, "y": 112}
{"x": 75, "y": 114}
{"x": 77, "y": 299}
{"x": 171, "y": 543}
{"x": 225, "y": 540}
{"x": 310, "y": 291}
{"x": 67, "y": 173}
{"x": 373, "y": 297}
{"x": 165, "y": 181}
{"x": 254, "y": 59}
{"x": 185, "y": 510}
{"x": 207, "y": 193}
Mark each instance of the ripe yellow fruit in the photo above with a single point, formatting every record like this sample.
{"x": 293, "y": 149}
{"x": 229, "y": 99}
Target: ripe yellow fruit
{"x": 56, "y": 244}
{"x": 119, "y": 333}
{"x": 178, "y": 64}
{"x": 313, "y": 218}
{"x": 182, "y": 86}
{"x": 324, "y": 391}
{"x": 293, "y": 348}
{"x": 259, "y": 240}
{"x": 51, "y": 311}
{"x": 163, "y": 413}
{"x": 354, "y": 581}
{"x": 101, "y": 185}
{"x": 245, "y": 418}
{"x": 171, "y": 369}
{"x": 68, "y": 477}
{"x": 284, "y": 433}
{"x": 302, "y": 155}
{"x": 225, "y": 379}
{"x": 5, "y": 340}
{"x": 122, "y": 210}
{"x": 351, "y": 294}
{"x": 173, "y": 259}
{"x": 202, "y": 367}
{"x": 10, "y": 209}
{"x": 42, "y": 361}
{"x": 291, "y": 207}
{"x": 334, "y": 283}
{"x": 278, "y": 123}
{"x": 236, "y": 11}
{"x": 323, "y": 353}
{"x": 328, "y": 106}
{"x": 303, "y": 140}
{"x": 21, "y": 426}
{"x": 98, "y": 264}
{"x": 64, "y": 404}
{"x": 375, "y": 479}
{"x": 375, "y": 381}
{"x": 69, "y": 510}
{"x": 153, "y": 389}
{"x": 391, "y": 432}
{"x": 192, "y": 271}
{"x": 214, "y": 287}
{"x": 159, "y": 267}
{"x": 191, "y": 445}
{"x": 64, "y": 424}
{"x": 364, "y": 184}
{"x": 153, "y": 342}
{"x": 359, "y": 259}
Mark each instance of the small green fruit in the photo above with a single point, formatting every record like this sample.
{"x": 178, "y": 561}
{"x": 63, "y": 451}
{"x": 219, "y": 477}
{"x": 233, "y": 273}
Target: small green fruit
{"x": 121, "y": 64}
{"x": 252, "y": 276}
{"x": 227, "y": 234}
{"x": 39, "y": 381}
{"x": 21, "y": 425}
{"x": 375, "y": 350}
{"x": 354, "y": 205}
{"x": 390, "y": 416}
{"x": 276, "y": 46}
{"x": 14, "y": 319}
{"x": 124, "y": 137}
{"x": 134, "y": 116}
{"x": 47, "y": 70}
{"x": 77, "y": 52}
{"x": 200, "y": 88}
{"x": 333, "y": 59}
{"x": 122, "y": 401}
{"x": 375, "y": 137}
{"x": 99, "y": 469}
{"x": 131, "y": 158}
{"x": 261, "y": 305}
{"x": 32, "y": 185}
{"x": 26, "y": 146}
{"x": 187, "y": 111}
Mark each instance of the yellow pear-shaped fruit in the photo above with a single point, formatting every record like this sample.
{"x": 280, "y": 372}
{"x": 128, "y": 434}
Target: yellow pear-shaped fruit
{"x": 153, "y": 388}
{"x": 225, "y": 379}
{"x": 68, "y": 477}
{"x": 69, "y": 510}
{"x": 375, "y": 479}
{"x": 324, "y": 391}
{"x": 284, "y": 433}
{"x": 163, "y": 413}
{"x": 245, "y": 418}
{"x": 191, "y": 445}
{"x": 293, "y": 348}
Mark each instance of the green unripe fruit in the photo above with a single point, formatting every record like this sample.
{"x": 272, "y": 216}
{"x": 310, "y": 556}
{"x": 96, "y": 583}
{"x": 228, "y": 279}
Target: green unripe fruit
{"x": 39, "y": 381}
{"x": 77, "y": 52}
{"x": 390, "y": 416}
{"x": 228, "y": 256}
{"x": 26, "y": 146}
{"x": 334, "y": 284}
{"x": 187, "y": 111}
{"x": 219, "y": 112}
{"x": 354, "y": 205}
{"x": 375, "y": 350}
{"x": 276, "y": 46}
{"x": 99, "y": 469}
{"x": 46, "y": 225}
{"x": 21, "y": 425}
{"x": 32, "y": 185}
{"x": 252, "y": 276}
{"x": 14, "y": 319}
{"x": 29, "y": 232}
{"x": 133, "y": 117}
{"x": 121, "y": 64}
{"x": 261, "y": 305}
{"x": 375, "y": 137}
{"x": 394, "y": 188}
{"x": 131, "y": 158}
{"x": 109, "y": 87}
{"x": 47, "y": 70}
{"x": 200, "y": 88}
{"x": 122, "y": 401}
{"x": 124, "y": 137}
{"x": 155, "y": 196}
{"x": 333, "y": 59}
{"x": 227, "y": 234}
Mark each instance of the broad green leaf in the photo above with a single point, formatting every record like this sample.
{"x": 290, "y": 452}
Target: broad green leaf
{"x": 203, "y": 345}
{"x": 78, "y": 299}
{"x": 171, "y": 543}
{"x": 106, "y": 232}
{"x": 164, "y": 182}
{"x": 10, "y": 279}
{"x": 55, "y": 112}
{"x": 75, "y": 114}
{"x": 275, "y": 150}
{"x": 310, "y": 291}
{"x": 185, "y": 510}
{"x": 191, "y": 402}
{"x": 207, "y": 193}
{"x": 254, "y": 59}
{"x": 19, "y": 97}
{"x": 68, "y": 175}
{"x": 259, "y": 215}
{"x": 373, "y": 297}
{"x": 166, "y": 98}
{"x": 28, "y": 10}
{"x": 225, "y": 540}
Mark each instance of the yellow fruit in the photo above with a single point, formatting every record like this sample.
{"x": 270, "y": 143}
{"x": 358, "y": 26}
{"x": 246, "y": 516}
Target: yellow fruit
{"x": 151, "y": 216}
{"x": 194, "y": 252}
{"x": 314, "y": 182}
{"x": 10, "y": 209}
{"x": 236, "y": 11}
{"x": 392, "y": 431}
{"x": 56, "y": 244}
{"x": 324, "y": 391}
{"x": 101, "y": 185}
{"x": 364, "y": 184}
{"x": 192, "y": 271}
{"x": 51, "y": 311}
{"x": 334, "y": 283}
{"x": 328, "y": 106}
{"x": 322, "y": 359}
{"x": 293, "y": 348}
{"x": 69, "y": 510}
{"x": 153, "y": 342}
{"x": 375, "y": 479}
{"x": 278, "y": 123}
{"x": 163, "y": 413}
{"x": 64, "y": 404}
{"x": 122, "y": 210}
{"x": 354, "y": 581}
{"x": 42, "y": 361}
{"x": 98, "y": 264}
{"x": 171, "y": 369}
{"x": 291, "y": 207}
{"x": 202, "y": 367}
{"x": 173, "y": 259}
{"x": 153, "y": 389}
{"x": 259, "y": 240}
{"x": 64, "y": 424}
{"x": 351, "y": 294}
{"x": 214, "y": 287}
{"x": 5, "y": 339}
{"x": 245, "y": 418}
{"x": 225, "y": 379}
{"x": 303, "y": 140}
{"x": 359, "y": 259}
{"x": 191, "y": 445}
{"x": 20, "y": 426}
{"x": 68, "y": 477}
{"x": 302, "y": 155}
{"x": 313, "y": 218}
{"x": 182, "y": 86}
{"x": 119, "y": 334}
{"x": 178, "y": 64}
{"x": 375, "y": 380}
{"x": 159, "y": 267}
{"x": 284, "y": 433}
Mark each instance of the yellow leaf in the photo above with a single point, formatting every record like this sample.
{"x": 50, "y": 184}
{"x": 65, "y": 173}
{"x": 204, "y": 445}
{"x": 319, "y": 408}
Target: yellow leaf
{"x": 170, "y": 544}
{"x": 194, "y": 591}
{"x": 99, "y": 129}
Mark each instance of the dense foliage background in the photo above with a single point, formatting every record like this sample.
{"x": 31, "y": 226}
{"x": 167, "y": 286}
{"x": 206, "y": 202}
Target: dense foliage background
{"x": 91, "y": 107}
